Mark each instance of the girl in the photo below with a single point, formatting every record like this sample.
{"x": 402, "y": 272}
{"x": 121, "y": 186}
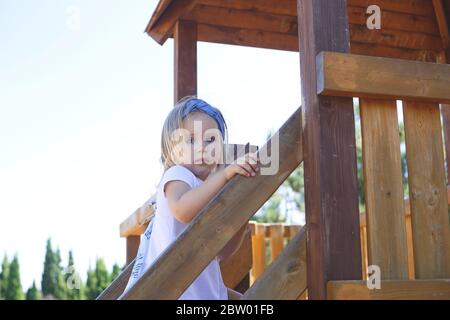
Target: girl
{"x": 192, "y": 153}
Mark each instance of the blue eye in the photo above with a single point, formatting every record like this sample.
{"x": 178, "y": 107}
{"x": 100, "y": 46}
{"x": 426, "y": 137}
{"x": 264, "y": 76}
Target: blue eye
{"x": 190, "y": 140}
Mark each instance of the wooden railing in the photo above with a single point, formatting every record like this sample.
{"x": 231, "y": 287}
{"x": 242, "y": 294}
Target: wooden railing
{"x": 274, "y": 236}
{"x": 415, "y": 245}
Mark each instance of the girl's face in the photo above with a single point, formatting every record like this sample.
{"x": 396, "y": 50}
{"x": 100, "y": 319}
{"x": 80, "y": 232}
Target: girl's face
{"x": 201, "y": 144}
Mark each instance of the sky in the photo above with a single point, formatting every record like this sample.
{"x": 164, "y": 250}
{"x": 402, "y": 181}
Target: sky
{"x": 83, "y": 96}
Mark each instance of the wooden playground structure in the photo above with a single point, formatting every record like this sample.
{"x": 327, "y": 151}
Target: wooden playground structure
{"x": 341, "y": 58}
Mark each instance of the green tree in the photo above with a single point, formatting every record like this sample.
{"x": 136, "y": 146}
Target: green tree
{"x": 52, "y": 278}
{"x": 102, "y": 275}
{"x": 91, "y": 285}
{"x": 73, "y": 281}
{"x": 4, "y": 277}
{"x": 115, "y": 271}
{"x": 33, "y": 293}
{"x": 61, "y": 287}
{"x": 14, "y": 287}
{"x": 48, "y": 284}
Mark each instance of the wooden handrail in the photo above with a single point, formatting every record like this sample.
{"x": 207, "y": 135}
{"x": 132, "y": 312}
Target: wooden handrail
{"x": 216, "y": 224}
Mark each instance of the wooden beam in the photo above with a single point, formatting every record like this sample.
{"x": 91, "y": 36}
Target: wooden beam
{"x": 222, "y": 217}
{"x": 372, "y": 77}
{"x": 331, "y": 194}
{"x": 136, "y": 223}
{"x": 166, "y": 15}
{"x": 442, "y": 22}
{"x": 390, "y": 290}
{"x": 132, "y": 247}
{"x": 285, "y": 278}
{"x": 185, "y": 64}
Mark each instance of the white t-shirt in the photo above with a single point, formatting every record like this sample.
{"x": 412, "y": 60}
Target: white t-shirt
{"x": 163, "y": 230}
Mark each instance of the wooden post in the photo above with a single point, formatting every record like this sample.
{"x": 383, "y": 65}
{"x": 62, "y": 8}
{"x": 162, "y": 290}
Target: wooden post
{"x": 132, "y": 247}
{"x": 185, "y": 64}
{"x": 332, "y": 214}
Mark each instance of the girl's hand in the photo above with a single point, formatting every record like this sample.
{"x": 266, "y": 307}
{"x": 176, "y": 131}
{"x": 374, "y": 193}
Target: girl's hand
{"x": 246, "y": 166}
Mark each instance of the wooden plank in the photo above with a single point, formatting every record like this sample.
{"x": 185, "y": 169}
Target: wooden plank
{"x": 395, "y": 21}
{"x": 395, "y": 38}
{"x": 220, "y": 219}
{"x": 445, "y": 112}
{"x": 185, "y": 59}
{"x": 409, "y": 242}
{"x": 364, "y": 259}
{"x": 276, "y": 240}
{"x": 136, "y": 223}
{"x": 364, "y": 76}
{"x": 236, "y": 268}
{"x": 285, "y": 7}
{"x": 285, "y": 278}
{"x": 246, "y": 37}
{"x": 377, "y": 50}
{"x": 164, "y": 18}
{"x": 362, "y": 220}
{"x": 442, "y": 22}
{"x": 386, "y": 231}
{"x": 417, "y": 7}
{"x": 132, "y": 247}
{"x": 331, "y": 194}
{"x": 427, "y": 190}
{"x": 258, "y": 252}
{"x": 390, "y": 290}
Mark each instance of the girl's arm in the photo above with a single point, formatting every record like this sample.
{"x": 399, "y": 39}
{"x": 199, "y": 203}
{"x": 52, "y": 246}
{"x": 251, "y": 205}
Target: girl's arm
{"x": 185, "y": 202}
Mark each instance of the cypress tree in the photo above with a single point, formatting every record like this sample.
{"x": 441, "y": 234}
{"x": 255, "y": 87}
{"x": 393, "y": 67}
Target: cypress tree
{"x": 73, "y": 280}
{"x": 4, "y": 276}
{"x": 102, "y": 275}
{"x": 33, "y": 293}
{"x": 91, "y": 284}
{"x": 61, "y": 287}
{"x": 115, "y": 271}
{"x": 48, "y": 285}
{"x": 14, "y": 287}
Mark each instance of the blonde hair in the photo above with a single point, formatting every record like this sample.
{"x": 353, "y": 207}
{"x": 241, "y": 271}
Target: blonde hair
{"x": 173, "y": 122}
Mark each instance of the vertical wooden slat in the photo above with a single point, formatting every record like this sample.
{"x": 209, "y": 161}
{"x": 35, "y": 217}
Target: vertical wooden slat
{"x": 132, "y": 247}
{"x": 185, "y": 64}
{"x": 385, "y": 218}
{"x": 409, "y": 238}
{"x": 258, "y": 251}
{"x": 331, "y": 195}
{"x": 445, "y": 112}
{"x": 364, "y": 261}
{"x": 427, "y": 190}
{"x": 276, "y": 240}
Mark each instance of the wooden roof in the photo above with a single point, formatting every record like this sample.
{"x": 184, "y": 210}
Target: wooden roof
{"x": 411, "y": 29}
